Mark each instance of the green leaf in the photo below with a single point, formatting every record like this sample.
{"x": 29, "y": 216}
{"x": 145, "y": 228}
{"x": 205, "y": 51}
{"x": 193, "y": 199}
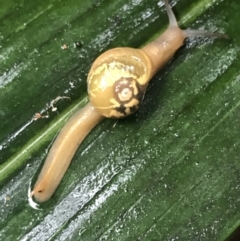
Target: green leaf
{"x": 169, "y": 172}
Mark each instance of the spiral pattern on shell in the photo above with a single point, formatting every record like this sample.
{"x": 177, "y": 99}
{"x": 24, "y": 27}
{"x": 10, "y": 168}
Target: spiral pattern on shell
{"x": 117, "y": 82}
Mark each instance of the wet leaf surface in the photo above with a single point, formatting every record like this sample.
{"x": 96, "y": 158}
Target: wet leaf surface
{"x": 169, "y": 172}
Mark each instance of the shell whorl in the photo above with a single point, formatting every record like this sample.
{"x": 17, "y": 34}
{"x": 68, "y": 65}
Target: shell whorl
{"x": 117, "y": 81}
{"x": 128, "y": 95}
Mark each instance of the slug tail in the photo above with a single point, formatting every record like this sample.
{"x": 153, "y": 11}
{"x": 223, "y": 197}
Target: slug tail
{"x": 62, "y": 151}
{"x": 172, "y": 19}
{"x": 196, "y": 33}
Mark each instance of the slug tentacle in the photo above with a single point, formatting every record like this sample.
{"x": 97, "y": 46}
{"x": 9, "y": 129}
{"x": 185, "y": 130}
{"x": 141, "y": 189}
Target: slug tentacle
{"x": 189, "y": 32}
{"x": 203, "y": 33}
{"x": 161, "y": 50}
{"x": 171, "y": 16}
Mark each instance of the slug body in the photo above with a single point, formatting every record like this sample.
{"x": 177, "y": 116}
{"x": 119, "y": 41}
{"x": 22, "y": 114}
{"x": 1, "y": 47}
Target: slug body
{"x": 117, "y": 82}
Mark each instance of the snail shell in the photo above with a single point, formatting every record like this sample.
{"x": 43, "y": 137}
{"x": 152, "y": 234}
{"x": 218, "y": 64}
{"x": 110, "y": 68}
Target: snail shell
{"x": 117, "y": 81}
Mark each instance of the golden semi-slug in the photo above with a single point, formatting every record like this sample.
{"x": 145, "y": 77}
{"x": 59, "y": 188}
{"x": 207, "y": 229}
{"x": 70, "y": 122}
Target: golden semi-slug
{"x": 117, "y": 82}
